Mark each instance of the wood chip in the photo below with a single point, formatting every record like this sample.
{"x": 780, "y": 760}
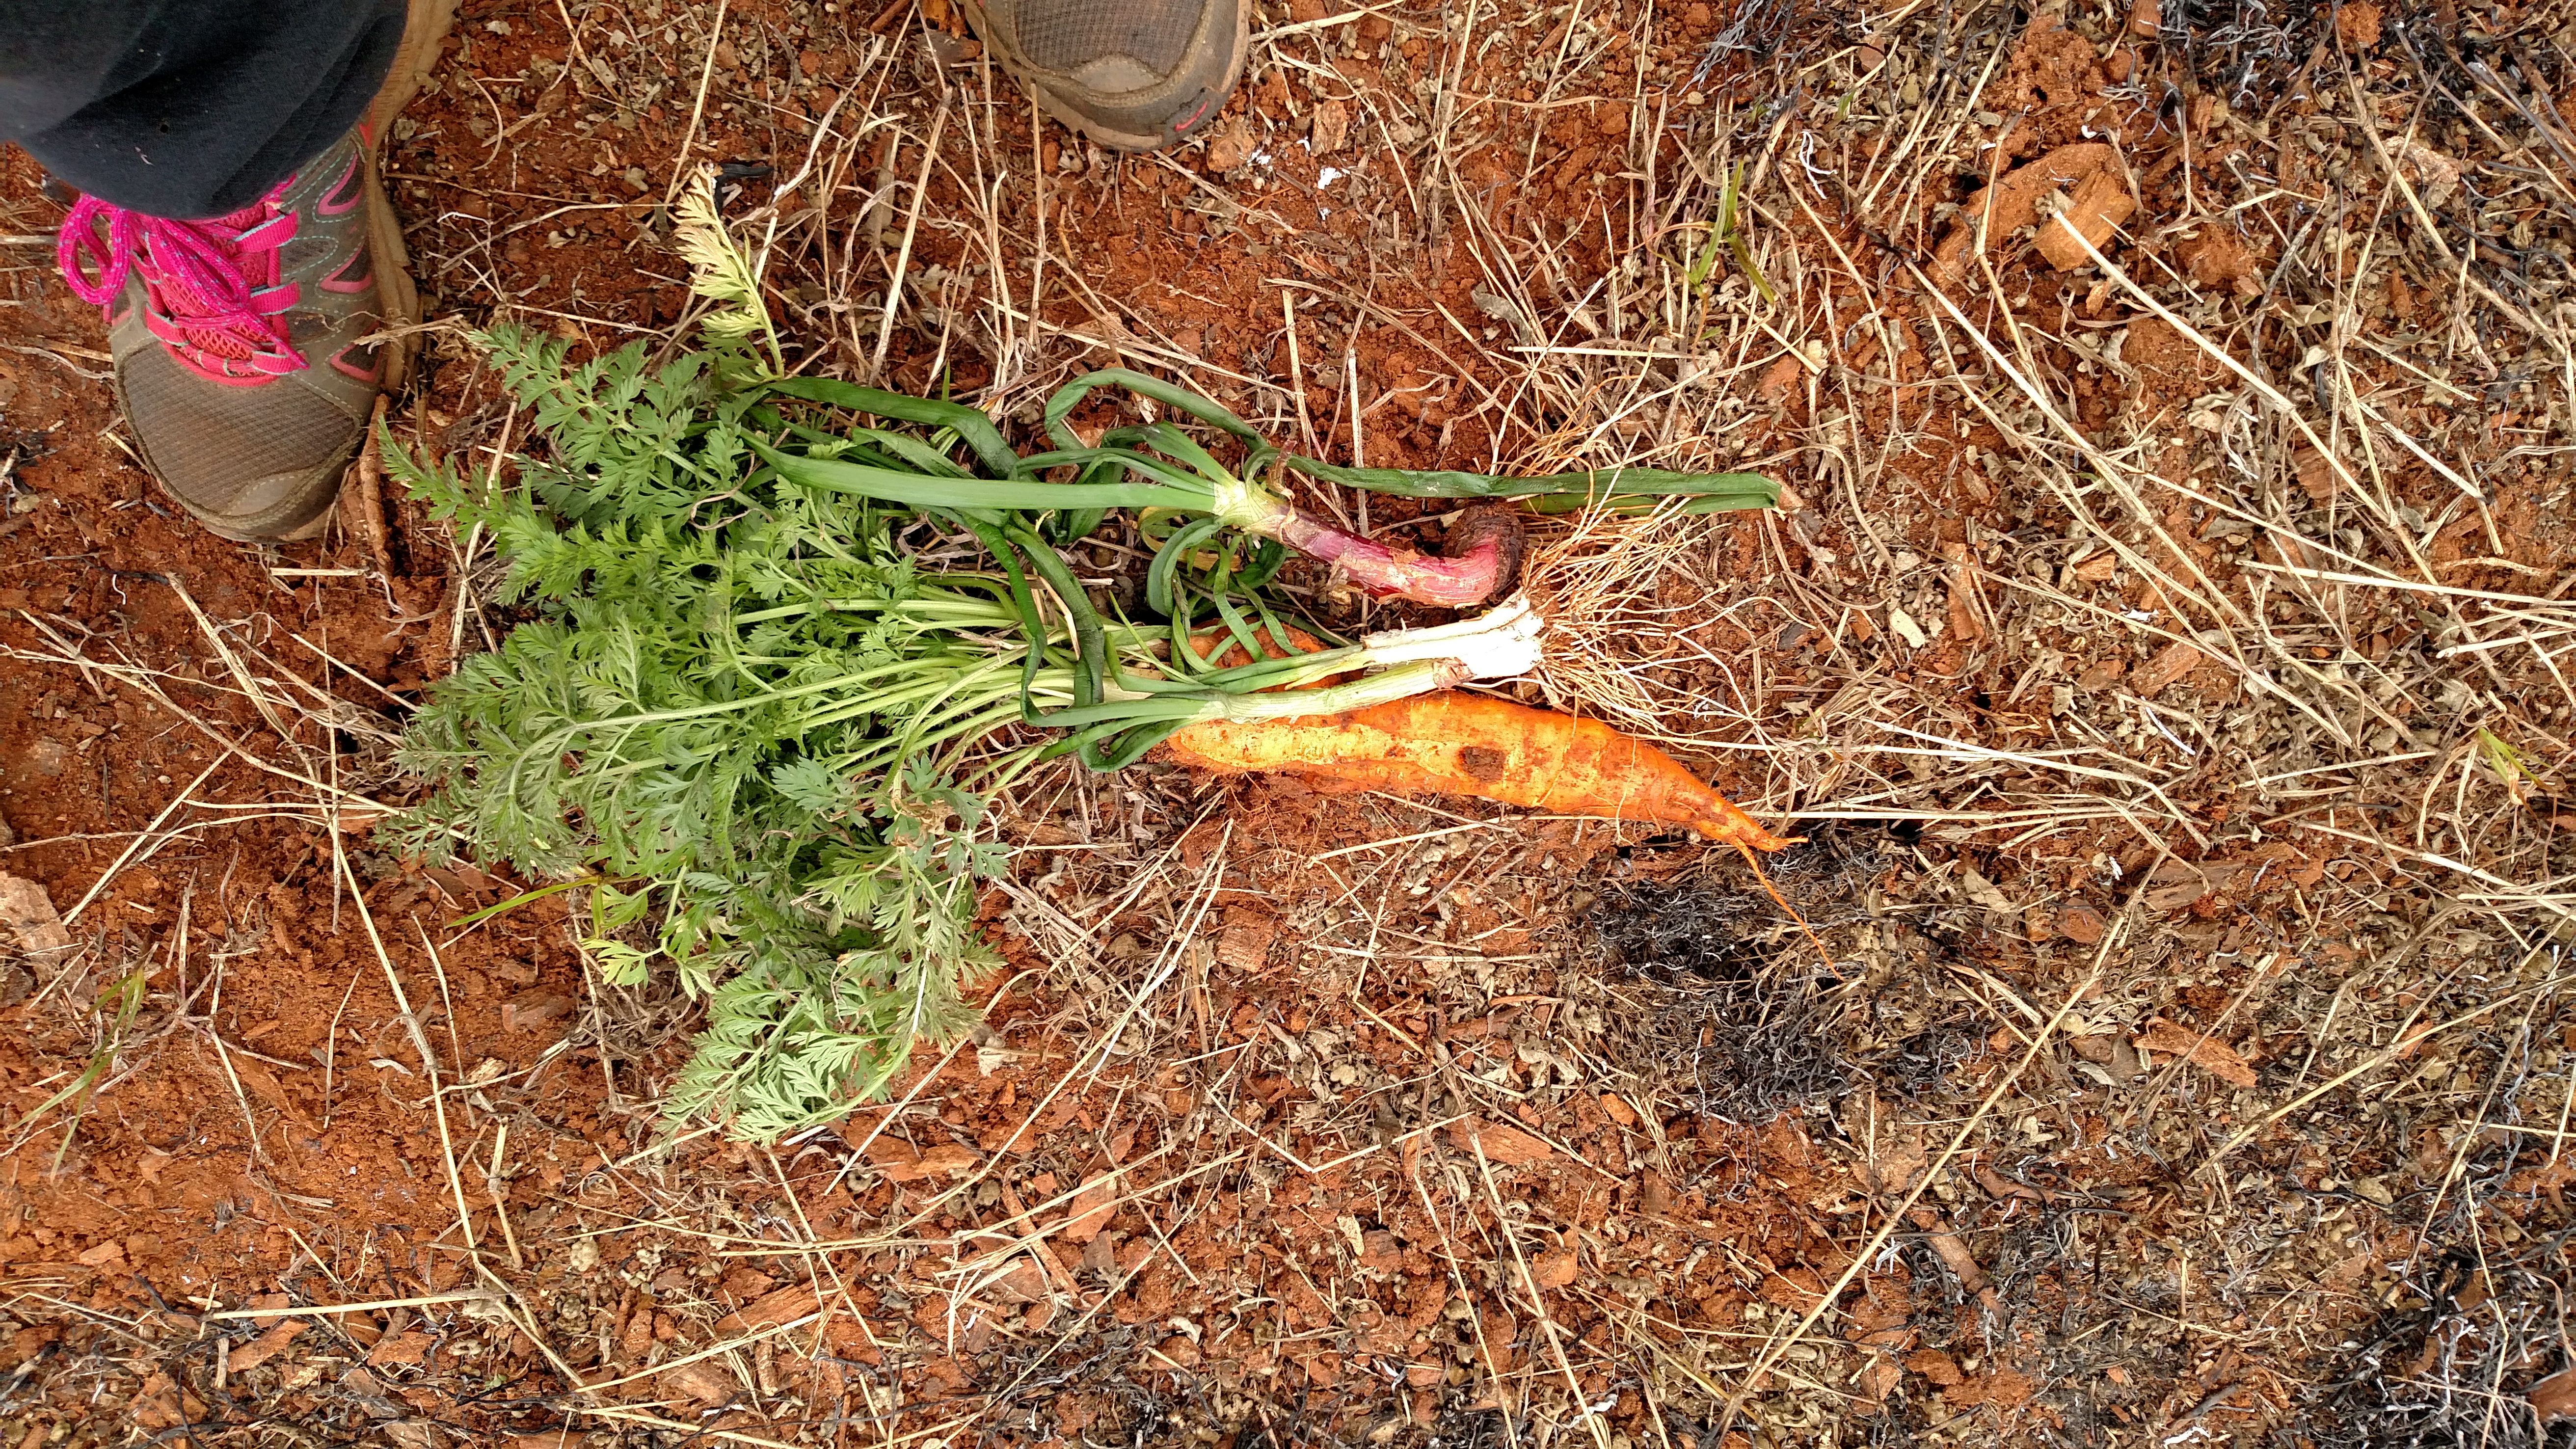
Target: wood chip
{"x": 1230, "y": 148}
{"x": 1953, "y": 1252}
{"x": 770, "y": 1310}
{"x": 2171, "y": 663}
{"x": 706, "y": 1381}
{"x": 265, "y": 1347}
{"x": 1964, "y": 625}
{"x": 405, "y": 1349}
{"x": 363, "y": 507}
{"x": 2012, "y": 203}
{"x": 1331, "y": 129}
{"x": 2220, "y": 1060}
{"x": 1023, "y": 1282}
{"x": 2554, "y": 1397}
{"x": 2081, "y": 924}
{"x": 1093, "y": 1204}
{"x": 1245, "y": 944}
{"x": 2100, "y": 203}
{"x": 1501, "y": 1145}
{"x": 2101, "y": 674}
{"x": 900, "y": 1162}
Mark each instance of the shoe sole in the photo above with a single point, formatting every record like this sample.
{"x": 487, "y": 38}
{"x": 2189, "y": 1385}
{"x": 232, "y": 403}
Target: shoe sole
{"x": 1109, "y": 136}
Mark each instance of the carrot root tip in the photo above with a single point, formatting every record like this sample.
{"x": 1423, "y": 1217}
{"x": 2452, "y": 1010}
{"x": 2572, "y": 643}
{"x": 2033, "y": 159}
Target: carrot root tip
{"x": 1737, "y": 835}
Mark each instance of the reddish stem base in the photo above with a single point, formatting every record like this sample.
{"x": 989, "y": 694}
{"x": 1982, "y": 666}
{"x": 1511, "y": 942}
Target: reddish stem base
{"x": 1483, "y": 561}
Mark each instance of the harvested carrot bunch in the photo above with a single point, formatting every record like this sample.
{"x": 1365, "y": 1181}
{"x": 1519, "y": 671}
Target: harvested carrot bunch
{"x": 1454, "y": 743}
{"x": 793, "y": 639}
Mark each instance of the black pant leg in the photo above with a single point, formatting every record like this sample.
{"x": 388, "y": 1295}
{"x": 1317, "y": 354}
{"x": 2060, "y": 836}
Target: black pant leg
{"x": 188, "y": 108}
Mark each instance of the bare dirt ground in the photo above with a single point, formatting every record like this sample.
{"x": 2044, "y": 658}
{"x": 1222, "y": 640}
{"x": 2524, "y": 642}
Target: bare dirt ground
{"x": 2162, "y": 641}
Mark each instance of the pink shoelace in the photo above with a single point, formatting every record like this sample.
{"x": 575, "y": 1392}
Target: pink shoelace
{"x": 211, "y": 289}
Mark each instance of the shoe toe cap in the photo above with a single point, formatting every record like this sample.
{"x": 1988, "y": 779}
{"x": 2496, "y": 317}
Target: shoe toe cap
{"x": 249, "y": 462}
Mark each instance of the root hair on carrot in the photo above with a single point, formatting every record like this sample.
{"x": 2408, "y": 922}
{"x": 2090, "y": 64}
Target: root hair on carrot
{"x": 1605, "y": 583}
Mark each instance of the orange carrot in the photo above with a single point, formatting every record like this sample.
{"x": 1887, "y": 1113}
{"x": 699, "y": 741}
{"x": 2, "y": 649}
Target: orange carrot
{"x": 1474, "y": 744}
{"x": 1229, "y": 655}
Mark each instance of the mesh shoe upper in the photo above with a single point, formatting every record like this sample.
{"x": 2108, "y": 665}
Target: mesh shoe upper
{"x": 1131, "y": 74}
{"x": 1148, "y": 40}
{"x": 237, "y": 340}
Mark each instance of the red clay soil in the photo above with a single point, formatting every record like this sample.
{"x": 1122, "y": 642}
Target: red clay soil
{"x": 1299, "y": 1243}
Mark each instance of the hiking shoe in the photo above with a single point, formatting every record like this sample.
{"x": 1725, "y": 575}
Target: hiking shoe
{"x": 1133, "y": 75}
{"x": 240, "y": 342}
